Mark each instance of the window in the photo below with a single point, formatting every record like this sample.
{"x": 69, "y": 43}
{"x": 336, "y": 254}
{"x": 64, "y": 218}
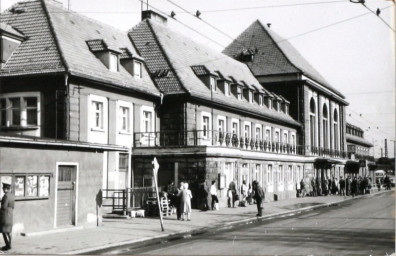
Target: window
{"x": 260, "y": 100}
{"x": 137, "y": 69}
{"x": 239, "y": 93}
{"x": 247, "y": 131}
{"x": 335, "y": 129}
{"x": 281, "y": 174}
{"x": 124, "y": 119}
{"x": 312, "y": 123}
{"x": 268, "y": 135}
{"x": 28, "y": 186}
{"x": 20, "y": 109}
{"x": 325, "y": 127}
{"x": 147, "y": 121}
{"x": 123, "y": 162}
{"x": 257, "y": 172}
{"x": 97, "y": 115}
{"x": 258, "y": 133}
{"x": 289, "y": 174}
{"x": 221, "y": 126}
{"x": 269, "y": 173}
{"x": 15, "y": 111}
{"x": 293, "y": 139}
{"x": 235, "y": 128}
{"x": 213, "y": 85}
{"x": 276, "y": 137}
{"x": 250, "y": 96}
{"x": 285, "y": 138}
{"x": 226, "y": 88}
{"x": 3, "y": 112}
{"x": 113, "y": 62}
{"x": 205, "y": 126}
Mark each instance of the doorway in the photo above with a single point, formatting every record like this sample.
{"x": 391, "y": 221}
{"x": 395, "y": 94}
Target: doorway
{"x": 66, "y": 195}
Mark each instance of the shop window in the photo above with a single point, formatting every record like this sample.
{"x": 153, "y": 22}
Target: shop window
{"x": 28, "y": 186}
{"x": 123, "y": 162}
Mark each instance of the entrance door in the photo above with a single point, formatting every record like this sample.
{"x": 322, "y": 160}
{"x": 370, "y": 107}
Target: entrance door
{"x": 66, "y": 197}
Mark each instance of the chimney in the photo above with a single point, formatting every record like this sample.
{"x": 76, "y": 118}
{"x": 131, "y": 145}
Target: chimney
{"x": 149, "y": 14}
{"x": 268, "y": 25}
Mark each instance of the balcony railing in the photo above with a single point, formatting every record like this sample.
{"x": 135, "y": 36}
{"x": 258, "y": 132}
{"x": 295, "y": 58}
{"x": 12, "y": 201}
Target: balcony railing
{"x": 229, "y": 140}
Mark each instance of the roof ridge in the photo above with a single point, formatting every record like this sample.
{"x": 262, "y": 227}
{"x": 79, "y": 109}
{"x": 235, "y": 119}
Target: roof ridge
{"x": 277, "y": 46}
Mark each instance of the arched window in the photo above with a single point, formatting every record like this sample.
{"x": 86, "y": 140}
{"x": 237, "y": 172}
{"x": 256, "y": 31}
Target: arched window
{"x": 325, "y": 127}
{"x": 335, "y": 119}
{"x": 312, "y": 122}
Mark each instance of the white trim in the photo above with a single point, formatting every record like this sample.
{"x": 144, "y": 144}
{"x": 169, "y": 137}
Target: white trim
{"x": 235, "y": 121}
{"x": 56, "y": 190}
{"x": 285, "y": 132}
{"x": 268, "y": 128}
{"x": 223, "y": 118}
{"x": 247, "y": 123}
{"x": 147, "y": 109}
{"x": 261, "y": 131}
{"x": 98, "y": 134}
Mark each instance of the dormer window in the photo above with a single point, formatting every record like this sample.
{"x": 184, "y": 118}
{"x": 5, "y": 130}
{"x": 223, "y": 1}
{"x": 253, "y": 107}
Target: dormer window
{"x": 213, "y": 84}
{"x": 239, "y": 93}
{"x": 107, "y": 55}
{"x": 10, "y": 39}
{"x": 226, "y": 88}
{"x": 260, "y": 100}
{"x": 113, "y": 62}
{"x": 137, "y": 69}
{"x": 250, "y": 93}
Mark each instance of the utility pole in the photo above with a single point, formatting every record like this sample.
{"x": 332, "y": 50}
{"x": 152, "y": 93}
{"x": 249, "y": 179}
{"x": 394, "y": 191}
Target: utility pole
{"x": 386, "y": 148}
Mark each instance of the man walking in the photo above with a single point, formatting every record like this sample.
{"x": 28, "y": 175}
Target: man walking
{"x": 342, "y": 186}
{"x": 259, "y": 196}
{"x": 6, "y": 216}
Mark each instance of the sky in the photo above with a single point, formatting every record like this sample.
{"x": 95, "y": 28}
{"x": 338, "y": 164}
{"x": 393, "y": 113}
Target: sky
{"x": 353, "y": 48}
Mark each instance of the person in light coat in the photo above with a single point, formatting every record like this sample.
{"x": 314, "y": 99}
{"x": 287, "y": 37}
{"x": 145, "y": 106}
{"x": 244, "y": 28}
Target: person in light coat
{"x": 6, "y": 216}
{"x": 185, "y": 202}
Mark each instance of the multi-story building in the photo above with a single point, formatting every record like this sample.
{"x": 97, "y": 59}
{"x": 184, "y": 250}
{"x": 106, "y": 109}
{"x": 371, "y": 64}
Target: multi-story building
{"x": 314, "y": 103}
{"x": 217, "y": 121}
{"x": 71, "y": 83}
{"x": 359, "y": 151}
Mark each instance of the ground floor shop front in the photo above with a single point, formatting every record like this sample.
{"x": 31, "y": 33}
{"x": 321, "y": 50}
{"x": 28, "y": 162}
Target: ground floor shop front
{"x": 279, "y": 175}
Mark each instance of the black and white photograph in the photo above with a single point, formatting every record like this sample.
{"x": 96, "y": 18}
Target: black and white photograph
{"x": 206, "y": 127}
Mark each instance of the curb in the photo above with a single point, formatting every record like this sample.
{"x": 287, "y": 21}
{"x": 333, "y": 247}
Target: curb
{"x": 186, "y": 234}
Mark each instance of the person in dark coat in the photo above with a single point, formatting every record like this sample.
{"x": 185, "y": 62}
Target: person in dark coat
{"x": 342, "y": 187}
{"x": 348, "y": 185}
{"x": 354, "y": 187}
{"x": 6, "y": 216}
{"x": 259, "y": 196}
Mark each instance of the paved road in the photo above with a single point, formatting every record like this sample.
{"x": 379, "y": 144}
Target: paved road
{"x": 364, "y": 226}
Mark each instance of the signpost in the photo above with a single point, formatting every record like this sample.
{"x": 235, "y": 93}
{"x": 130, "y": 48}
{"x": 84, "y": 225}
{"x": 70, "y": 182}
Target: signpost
{"x": 155, "y": 171}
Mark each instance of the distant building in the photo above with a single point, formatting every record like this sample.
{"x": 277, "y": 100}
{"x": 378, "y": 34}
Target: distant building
{"x": 320, "y": 108}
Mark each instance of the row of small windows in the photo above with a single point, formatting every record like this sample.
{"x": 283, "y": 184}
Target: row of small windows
{"x": 19, "y": 110}
{"x": 354, "y": 131}
{"x": 260, "y": 132}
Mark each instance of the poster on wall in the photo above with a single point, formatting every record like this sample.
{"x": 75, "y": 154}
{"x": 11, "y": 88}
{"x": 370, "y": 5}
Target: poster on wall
{"x": 5, "y": 179}
{"x": 19, "y": 186}
{"x": 44, "y": 186}
{"x": 31, "y": 185}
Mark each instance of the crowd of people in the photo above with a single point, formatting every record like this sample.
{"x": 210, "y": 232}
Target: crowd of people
{"x": 180, "y": 197}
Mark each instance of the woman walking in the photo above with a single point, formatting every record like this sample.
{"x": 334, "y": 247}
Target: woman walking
{"x": 185, "y": 202}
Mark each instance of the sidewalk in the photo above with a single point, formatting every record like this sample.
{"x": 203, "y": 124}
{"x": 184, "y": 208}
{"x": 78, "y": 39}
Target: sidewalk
{"x": 117, "y": 232}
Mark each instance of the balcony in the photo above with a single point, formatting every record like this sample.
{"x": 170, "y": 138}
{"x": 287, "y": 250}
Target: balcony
{"x": 211, "y": 138}
{"x": 174, "y": 139}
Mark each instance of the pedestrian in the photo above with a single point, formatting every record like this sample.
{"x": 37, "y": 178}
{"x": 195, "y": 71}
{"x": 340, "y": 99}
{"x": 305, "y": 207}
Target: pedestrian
{"x": 244, "y": 194}
{"x": 259, "y": 196}
{"x": 379, "y": 184}
{"x": 185, "y": 202}
{"x": 348, "y": 185}
{"x": 342, "y": 186}
{"x": 319, "y": 186}
{"x": 231, "y": 193}
{"x": 354, "y": 187}
{"x": 334, "y": 185}
{"x": 313, "y": 185}
{"x": 213, "y": 193}
{"x": 172, "y": 192}
{"x": 365, "y": 185}
{"x": 325, "y": 186}
{"x": 298, "y": 188}
{"x": 6, "y": 216}
{"x": 302, "y": 186}
{"x": 387, "y": 183}
{"x": 178, "y": 200}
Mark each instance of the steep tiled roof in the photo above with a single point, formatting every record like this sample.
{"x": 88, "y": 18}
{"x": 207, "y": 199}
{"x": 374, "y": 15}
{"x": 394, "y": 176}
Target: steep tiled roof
{"x": 61, "y": 39}
{"x": 274, "y": 55}
{"x": 164, "y": 48}
{"x": 37, "y": 54}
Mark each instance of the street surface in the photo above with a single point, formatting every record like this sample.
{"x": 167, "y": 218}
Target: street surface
{"x": 365, "y": 226}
